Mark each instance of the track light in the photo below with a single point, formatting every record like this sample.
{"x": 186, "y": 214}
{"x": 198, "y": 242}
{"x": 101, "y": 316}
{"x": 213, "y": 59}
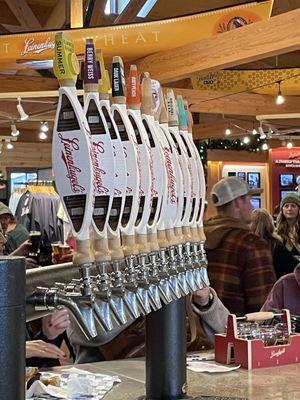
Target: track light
{"x": 261, "y": 132}
{"x": 44, "y": 127}
{"x": 9, "y": 146}
{"x": 43, "y": 135}
{"x": 14, "y": 130}
{"x": 265, "y": 146}
{"x": 254, "y": 131}
{"x": 246, "y": 140}
{"x": 23, "y": 115}
{"x": 289, "y": 144}
{"x": 280, "y": 98}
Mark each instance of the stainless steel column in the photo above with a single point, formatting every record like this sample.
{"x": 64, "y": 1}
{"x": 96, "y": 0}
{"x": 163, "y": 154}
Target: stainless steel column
{"x": 12, "y": 328}
{"x": 166, "y": 352}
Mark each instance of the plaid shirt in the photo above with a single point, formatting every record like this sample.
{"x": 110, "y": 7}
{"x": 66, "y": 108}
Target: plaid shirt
{"x": 241, "y": 271}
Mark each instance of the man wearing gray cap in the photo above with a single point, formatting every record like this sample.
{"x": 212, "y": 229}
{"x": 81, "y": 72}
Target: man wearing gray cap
{"x": 240, "y": 264}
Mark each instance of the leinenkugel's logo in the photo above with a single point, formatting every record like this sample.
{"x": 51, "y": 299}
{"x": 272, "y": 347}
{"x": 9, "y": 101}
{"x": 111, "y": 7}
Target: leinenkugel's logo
{"x": 71, "y": 145}
{"x": 171, "y": 177}
{"x": 231, "y": 21}
{"x": 31, "y": 46}
{"x": 98, "y": 148}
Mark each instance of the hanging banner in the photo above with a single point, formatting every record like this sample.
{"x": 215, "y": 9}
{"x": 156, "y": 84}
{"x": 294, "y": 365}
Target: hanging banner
{"x": 235, "y": 81}
{"x": 133, "y": 41}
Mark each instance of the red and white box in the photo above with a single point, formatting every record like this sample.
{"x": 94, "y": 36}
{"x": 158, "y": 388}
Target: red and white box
{"x": 251, "y": 354}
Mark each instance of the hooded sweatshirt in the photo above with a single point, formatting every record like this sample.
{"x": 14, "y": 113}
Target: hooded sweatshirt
{"x": 285, "y": 293}
{"x": 240, "y": 264}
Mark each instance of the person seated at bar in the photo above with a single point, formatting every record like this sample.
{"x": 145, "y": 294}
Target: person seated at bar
{"x": 43, "y": 345}
{"x": 285, "y": 293}
{"x": 240, "y": 263}
{"x": 262, "y": 225}
{"x": 288, "y": 223}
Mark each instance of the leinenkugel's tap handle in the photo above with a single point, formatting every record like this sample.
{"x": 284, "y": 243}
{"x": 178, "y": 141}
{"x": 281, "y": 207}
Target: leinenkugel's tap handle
{"x": 200, "y": 231}
{"x": 157, "y": 166}
{"x": 71, "y": 149}
{"x": 102, "y": 153}
{"x": 146, "y": 159}
{"x": 120, "y": 178}
{"x": 126, "y": 131}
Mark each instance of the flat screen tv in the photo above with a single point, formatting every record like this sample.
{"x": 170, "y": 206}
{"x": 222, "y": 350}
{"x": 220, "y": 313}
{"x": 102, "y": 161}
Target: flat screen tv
{"x": 253, "y": 180}
{"x": 286, "y": 179}
{"x": 285, "y": 192}
{"x": 242, "y": 175}
{"x": 255, "y": 202}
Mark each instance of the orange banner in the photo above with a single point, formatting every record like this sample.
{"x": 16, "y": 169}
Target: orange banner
{"x": 35, "y": 50}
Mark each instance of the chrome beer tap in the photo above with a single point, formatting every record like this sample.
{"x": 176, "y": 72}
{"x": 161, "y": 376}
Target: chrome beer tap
{"x": 80, "y": 306}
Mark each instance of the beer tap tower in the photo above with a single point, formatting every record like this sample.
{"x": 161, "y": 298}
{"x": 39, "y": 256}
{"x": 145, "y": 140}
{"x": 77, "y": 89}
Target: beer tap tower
{"x": 131, "y": 182}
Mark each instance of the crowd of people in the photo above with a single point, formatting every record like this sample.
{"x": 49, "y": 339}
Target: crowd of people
{"x": 253, "y": 264}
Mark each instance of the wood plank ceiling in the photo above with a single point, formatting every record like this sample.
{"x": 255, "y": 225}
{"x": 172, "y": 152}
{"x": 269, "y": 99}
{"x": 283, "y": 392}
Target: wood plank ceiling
{"x": 32, "y": 15}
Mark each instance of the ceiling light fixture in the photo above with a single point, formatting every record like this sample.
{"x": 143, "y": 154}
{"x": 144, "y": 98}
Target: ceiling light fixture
{"x": 14, "y": 130}
{"x": 254, "y": 131}
{"x": 280, "y": 98}
{"x": 265, "y": 146}
{"x": 44, "y": 127}
{"x": 228, "y": 131}
{"x": 23, "y": 115}
{"x": 246, "y": 139}
{"x": 9, "y": 146}
{"x": 43, "y": 135}
{"x": 289, "y": 144}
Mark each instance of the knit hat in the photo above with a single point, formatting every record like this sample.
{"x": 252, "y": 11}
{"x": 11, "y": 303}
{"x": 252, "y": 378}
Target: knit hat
{"x": 293, "y": 198}
{"x": 229, "y": 189}
{"x": 4, "y": 209}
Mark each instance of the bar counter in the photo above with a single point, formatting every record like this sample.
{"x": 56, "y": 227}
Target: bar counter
{"x": 280, "y": 383}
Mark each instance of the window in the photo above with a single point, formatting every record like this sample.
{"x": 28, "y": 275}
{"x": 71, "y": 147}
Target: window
{"x": 19, "y": 179}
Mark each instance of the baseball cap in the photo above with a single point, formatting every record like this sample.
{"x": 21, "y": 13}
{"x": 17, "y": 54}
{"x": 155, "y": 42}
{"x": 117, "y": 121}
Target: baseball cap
{"x": 290, "y": 198}
{"x": 230, "y": 188}
{"x": 4, "y": 209}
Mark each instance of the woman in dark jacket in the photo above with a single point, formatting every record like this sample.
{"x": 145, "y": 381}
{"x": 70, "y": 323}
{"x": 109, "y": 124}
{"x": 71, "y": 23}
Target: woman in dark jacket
{"x": 263, "y": 226}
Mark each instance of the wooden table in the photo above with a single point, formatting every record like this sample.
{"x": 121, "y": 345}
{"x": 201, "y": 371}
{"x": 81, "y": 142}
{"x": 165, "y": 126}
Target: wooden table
{"x": 279, "y": 383}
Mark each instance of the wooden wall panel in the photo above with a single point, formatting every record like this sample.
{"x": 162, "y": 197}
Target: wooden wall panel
{"x": 35, "y": 155}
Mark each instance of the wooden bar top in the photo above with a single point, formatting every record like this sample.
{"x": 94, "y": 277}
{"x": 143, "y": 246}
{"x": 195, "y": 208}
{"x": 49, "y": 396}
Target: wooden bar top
{"x": 280, "y": 383}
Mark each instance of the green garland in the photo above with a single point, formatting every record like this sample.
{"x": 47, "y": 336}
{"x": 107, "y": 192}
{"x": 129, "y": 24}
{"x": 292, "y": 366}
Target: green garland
{"x": 254, "y": 145}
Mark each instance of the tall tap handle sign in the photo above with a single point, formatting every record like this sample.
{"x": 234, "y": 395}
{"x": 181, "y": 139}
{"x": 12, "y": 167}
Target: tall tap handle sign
{"x": 146, "y": 158}
{"x": 120, "y": 178}
{"x": 127, "y": 135}
{"x": 102, "y": 152}
{"x": 169, "y": 207}
{"x": 199, "y": 232}
{"x": 71, "y": 150}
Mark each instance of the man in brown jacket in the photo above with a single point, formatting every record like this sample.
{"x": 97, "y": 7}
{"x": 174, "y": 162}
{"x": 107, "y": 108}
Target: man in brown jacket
{"x": 239, "y": 262}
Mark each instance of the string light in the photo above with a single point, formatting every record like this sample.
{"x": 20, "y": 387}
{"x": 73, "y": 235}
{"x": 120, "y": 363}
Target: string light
{"x": 280, "y": 98}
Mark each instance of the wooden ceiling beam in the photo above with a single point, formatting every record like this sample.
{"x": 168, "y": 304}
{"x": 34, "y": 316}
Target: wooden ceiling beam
{"x": 237, "y": 104}
{"x": 15, "y": 83}
{"x": 57, "y": 17}
{"x": 24, "y": 14}
{"x": 217, "y": 128}
{"x": 76, "y": 13}
{"x": 130, "y": 12}
{"x": 277, "y": 35}
{"x": 98, "y": 17}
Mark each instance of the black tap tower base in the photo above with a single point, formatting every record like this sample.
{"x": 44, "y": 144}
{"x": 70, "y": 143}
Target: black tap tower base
{"x": 166, "y": 352}
{"x": 12, "y": 328}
